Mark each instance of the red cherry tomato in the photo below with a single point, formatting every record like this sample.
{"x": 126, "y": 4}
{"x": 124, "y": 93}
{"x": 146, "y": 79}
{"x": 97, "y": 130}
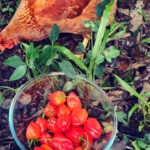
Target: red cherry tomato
{"x": 57, "y": 98}
{"x": 64, "y": 122}
{"x": 46, "y": 147}
{"x": 33, "y": 131}
{"x": 93, "y": 128}
{"x": 78, "y": 116}
{"x": 79, "y": 148}
{"x": 73, "y": 101}
{"x": 52, "y": 125}
{"x": 50, "y": 110}
{"x": 38, "y": 148}
{"x": 42, "y": 123}
{"x": 46, "y": 138}
{"x": 75, "y": 133}
{"x": 60, "y": 142}
{"x": 62, "y": 110}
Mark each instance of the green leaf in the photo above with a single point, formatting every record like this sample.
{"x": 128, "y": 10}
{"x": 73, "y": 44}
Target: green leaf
{"x": 106, "y": 106}
{"x": 14, "y": 61}
{"x": 45, "y": 55}
{"x": 80, "y": 47}
{"x": 113, "y": 52}
{"x": 107, "y": 55}
{"x": 68, "y": 86}
{"x": 71, "y": 56}
{"x": 135, "y": 145}
{"x": 146, "y": 94}
{"x": 122, "y": 117}
{"x": 1, "y": 98}
{"x": 54, "y": 33}
{"x": 86, "y": 24}
{"x": 132, "y": 111}
{"x": 49, "y": 62}
{"x": 141, "y": 144}
{"x": 101, "y": 30}
{"x": 146, "y": 40}
{"x": 67, "y": 68}
{"x": 100, "y": 7}
{"x": 18, "y": 73}
{"x": 142, "y": 12}
{"x": 100, "y": 59}
{"x": 99, "y": 70}
{"x": 131, "y": 90}
{"x": 11, "y": 10}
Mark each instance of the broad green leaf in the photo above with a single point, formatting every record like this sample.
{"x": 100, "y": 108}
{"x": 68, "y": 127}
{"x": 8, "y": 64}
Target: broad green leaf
{"x": 107, "y": 55}
{"x": 106, "y": 106}
{"x": 100, "y": 7}
{"x": 54, "y": 33}
{"x": 49, "y": 62}
{"x": 132, "y": 111}
{"x": 71, "y": 56}
{"x": 18, "y": 73}
{"x": 45, "y": 55}
{"x": 80, "y": 47}
{"x": 141, "y": 144}
{"x": 68, "y": 86}
{"x": 87, "y": 24}
{"x": 14, "y": 61}
{"x": 113, "y": 52}
{"x": 99, "y": 70}
{"x": 100, "y": 59}
{"x": 67, "y": 68}
{"x": 135, "y": 145}
{"x": 122, "y": 117}
{"x": 131, "y": 90}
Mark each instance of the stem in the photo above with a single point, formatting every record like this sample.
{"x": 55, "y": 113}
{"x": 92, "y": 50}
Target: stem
{"x": 99, "y": 39}
{"x": 87, "y": 142}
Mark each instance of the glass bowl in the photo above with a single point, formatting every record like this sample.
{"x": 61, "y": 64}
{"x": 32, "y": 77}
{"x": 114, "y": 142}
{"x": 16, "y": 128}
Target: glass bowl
{"x": 32, "y": 96}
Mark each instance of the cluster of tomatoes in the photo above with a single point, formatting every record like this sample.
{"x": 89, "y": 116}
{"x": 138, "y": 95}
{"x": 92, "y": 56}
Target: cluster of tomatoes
{"x": 66, "y": 125}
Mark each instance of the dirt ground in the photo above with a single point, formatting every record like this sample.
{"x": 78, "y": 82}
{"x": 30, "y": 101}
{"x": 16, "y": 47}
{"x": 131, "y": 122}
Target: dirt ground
{"x": 132, "y": 65}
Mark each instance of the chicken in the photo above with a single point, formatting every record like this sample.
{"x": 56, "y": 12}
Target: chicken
{"x": 34, "y": 19}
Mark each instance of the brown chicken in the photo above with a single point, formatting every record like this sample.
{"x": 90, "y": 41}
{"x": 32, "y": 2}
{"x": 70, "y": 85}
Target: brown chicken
{"x": 34, "y": 19}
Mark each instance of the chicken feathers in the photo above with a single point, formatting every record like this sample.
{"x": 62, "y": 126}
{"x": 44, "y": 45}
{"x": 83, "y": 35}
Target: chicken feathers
{"x": 34, "y": 19}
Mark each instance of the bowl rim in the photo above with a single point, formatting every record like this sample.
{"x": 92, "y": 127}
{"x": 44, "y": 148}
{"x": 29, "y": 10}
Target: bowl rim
{"x": 12, "y": 106}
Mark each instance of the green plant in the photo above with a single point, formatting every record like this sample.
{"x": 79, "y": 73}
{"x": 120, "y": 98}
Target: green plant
{"x": 144, "y": 143}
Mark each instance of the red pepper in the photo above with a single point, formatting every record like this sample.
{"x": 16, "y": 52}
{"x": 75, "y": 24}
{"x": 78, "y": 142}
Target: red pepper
{"x": 33, "y": 131}
{"x": 51, "y": 125}
{"x": 42, "y": 123}
{"x": 62, "y": 110}
{"x": 78, "y": 116}
{"x": 87, "y": 142}
{"x": 57, "y": 98}
{"x": 64, "y": 122}
{"x": 75, "y": 133}
{"x": 79, "y": 148}
{"x": 46, "y": 147}
{"x": 73, "y": 101}
{"x": 38, "y": 148}
{"x": 50, "y": 110}
{"x": 60, "y": 142}
{"x": 93, "y": 128}
{"x": 46, "y": 138}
